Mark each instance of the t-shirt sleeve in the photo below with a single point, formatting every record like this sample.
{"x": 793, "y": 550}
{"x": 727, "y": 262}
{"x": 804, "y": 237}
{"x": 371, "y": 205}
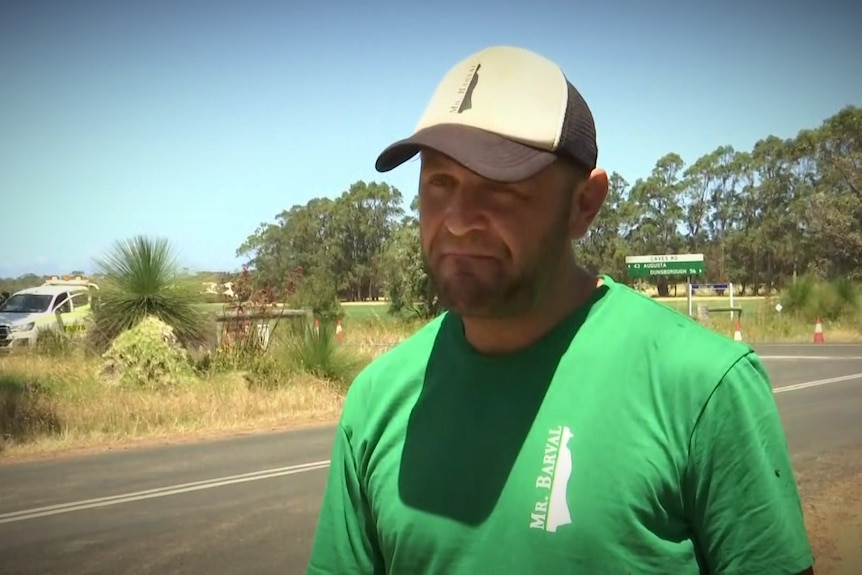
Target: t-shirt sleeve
{"x": 345, "y": 539}
{"x": 741, "y": 493}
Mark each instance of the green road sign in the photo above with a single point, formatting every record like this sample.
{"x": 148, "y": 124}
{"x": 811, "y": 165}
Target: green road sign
{"x": 666, "y": 265}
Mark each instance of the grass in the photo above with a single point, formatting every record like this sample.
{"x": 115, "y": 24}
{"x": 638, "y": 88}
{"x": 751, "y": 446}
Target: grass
{"x": 759, "y": 322}
{"x": 53, "y": 404}
{"x": 54, "y": 400}
{"x": 57, "y": 402}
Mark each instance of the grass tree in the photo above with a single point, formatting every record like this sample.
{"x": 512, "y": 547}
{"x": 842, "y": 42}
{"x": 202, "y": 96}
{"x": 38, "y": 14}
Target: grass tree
{"x": 141, "y": 277}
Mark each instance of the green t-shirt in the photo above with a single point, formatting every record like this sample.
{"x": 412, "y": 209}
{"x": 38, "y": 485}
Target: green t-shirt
{"x": 628, "y": 440}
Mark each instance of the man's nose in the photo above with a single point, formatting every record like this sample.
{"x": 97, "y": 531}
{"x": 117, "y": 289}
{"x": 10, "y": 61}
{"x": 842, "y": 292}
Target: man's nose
{"x": 464, "y": 214}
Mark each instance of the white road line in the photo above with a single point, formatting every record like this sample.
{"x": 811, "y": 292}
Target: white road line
{"x": 159, "y": 492}
{"x": 817, "y": 383}
{"x": 812, "y": 357}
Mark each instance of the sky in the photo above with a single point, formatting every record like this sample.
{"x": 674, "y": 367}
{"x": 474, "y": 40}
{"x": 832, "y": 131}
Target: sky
{"x": 199, "y": 121}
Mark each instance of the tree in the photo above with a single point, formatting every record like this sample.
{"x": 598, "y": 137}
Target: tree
{"x": 409, "y": 287}
{"x": 762, "y": 218}
{"x": 339, "y": 243}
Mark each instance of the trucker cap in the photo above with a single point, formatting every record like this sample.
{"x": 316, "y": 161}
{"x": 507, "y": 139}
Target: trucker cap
{"x": 505, "y": 113}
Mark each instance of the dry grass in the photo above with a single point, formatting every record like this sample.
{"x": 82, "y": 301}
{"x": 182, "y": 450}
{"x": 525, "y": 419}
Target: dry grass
{"x": 372, "y": 336}
{"x": 52, "y": 402}
{"x": 755, "y": 330}
{"x": 64, "y": 406}
{"x": 761, "y": 323}
{"x": 57, "y": 403}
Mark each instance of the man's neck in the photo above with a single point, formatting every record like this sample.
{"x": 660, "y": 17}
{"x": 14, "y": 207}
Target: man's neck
{"x": 568, "y": 292}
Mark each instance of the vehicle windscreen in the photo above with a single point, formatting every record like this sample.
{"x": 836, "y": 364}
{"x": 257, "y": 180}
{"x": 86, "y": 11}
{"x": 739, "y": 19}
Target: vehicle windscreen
{"x": 26, "y": 303}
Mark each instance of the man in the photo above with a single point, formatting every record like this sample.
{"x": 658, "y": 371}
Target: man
{"x": 550, "y": 421}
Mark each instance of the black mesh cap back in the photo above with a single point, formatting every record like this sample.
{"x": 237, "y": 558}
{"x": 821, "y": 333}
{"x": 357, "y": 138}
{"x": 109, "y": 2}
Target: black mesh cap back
{"x": 578, "y": 134}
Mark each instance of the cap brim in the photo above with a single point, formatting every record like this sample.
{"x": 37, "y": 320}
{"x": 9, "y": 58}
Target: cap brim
{"x": 485, "y": 153}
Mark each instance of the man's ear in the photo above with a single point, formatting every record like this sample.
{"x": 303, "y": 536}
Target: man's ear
{"x": 588, "y": 201}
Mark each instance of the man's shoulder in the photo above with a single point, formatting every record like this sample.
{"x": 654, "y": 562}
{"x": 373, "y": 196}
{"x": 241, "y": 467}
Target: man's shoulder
{"x": 671, "y": 334}
{"x": 649, "y": 337}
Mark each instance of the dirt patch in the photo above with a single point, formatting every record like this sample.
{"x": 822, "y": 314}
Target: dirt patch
{"x": 831, "y": 488}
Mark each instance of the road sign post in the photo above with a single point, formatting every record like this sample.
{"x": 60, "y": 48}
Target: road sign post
{"x": 691, "y": 288}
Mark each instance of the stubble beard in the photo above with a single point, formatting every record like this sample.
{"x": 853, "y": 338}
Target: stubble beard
{"x": 498, "y": 291}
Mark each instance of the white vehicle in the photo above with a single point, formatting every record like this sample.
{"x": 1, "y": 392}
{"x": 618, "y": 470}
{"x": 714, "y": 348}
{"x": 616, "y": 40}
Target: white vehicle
{"x": 59, "y": 303}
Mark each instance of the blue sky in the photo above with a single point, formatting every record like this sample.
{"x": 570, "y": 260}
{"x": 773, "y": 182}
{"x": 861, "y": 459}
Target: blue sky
{"x": 197, "y": 121}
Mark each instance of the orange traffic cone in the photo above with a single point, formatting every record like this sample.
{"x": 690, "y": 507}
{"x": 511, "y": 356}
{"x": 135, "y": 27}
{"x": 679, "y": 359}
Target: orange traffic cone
{"x": 316, "y": 326}
{"x": 818, "y": 332}
{"x": 737, "y": 332}
{"x": 339, "y": 332}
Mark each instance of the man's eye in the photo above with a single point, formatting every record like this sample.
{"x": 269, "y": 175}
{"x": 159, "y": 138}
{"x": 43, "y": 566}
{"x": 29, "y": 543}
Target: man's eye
{"x": 440, "y": 181}
{"x": 507, "y": 192}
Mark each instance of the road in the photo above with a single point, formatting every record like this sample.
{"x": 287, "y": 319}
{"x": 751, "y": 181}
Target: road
{"x": 249, "y": 504}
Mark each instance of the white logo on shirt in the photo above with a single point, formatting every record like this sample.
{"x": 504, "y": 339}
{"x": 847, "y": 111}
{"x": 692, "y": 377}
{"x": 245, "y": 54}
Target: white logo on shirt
{"x": 551, "y": 509}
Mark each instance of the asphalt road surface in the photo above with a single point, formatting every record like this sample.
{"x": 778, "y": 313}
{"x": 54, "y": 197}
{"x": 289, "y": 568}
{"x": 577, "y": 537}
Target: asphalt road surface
{"x": 249, "y": 504}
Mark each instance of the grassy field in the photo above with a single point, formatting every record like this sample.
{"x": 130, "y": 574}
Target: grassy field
{"x": 56, "y": 401}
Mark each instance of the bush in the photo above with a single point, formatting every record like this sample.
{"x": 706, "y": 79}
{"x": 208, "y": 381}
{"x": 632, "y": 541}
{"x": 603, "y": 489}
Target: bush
{"x": 141, "y": 277}
{"x": 319, "y": 294}
{"x": 296, "y": 348}
{"x": 55, "y": 343}
{"x": 26, "y": 410}
{"x": 829, "y": 301}
{"x": 316, "y": 352}
{"x": 147, "y": 356}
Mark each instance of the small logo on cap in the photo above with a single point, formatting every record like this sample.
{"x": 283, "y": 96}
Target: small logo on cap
{"x": 465, "y": 91}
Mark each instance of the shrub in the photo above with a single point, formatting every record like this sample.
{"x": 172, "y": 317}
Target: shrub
{"x": 27, "y": 410}
{"x": 141, "y": 278}
{"x": 55, "y": 343}
{"x": 319, "y": 293}
{"x": 315, "y": 351}
{"x": 148, "y": 356}
{"x": 830, "y": 301}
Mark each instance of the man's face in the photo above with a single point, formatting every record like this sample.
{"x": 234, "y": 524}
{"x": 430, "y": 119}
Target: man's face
{"x": 492, "y": 248}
